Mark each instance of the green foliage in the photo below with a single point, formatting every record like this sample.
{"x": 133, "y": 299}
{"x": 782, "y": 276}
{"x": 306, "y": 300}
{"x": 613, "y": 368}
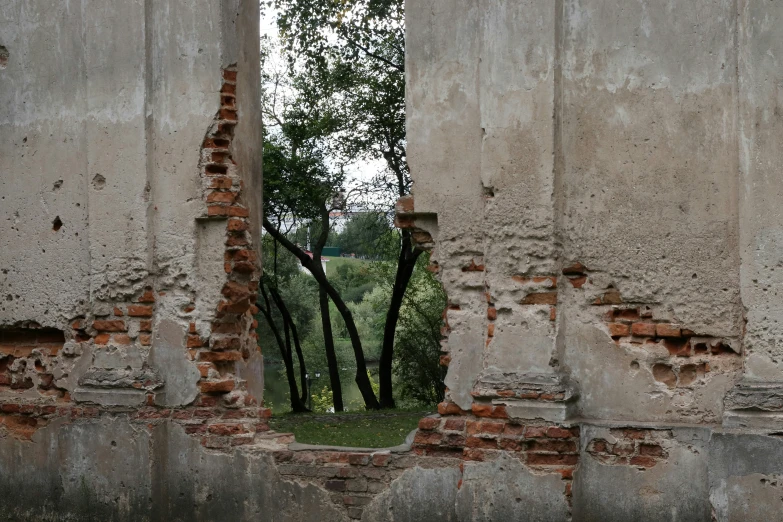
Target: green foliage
{"x": 350, "y": 276}
{"x": 417, "y": 344}
{"x": 369, "y": 235}
{"x": 323, "y": 400}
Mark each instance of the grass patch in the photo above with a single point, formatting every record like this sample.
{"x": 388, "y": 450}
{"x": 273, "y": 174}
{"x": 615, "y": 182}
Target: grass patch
{"x": 359, "y": 430}
{"x": 334, "y": 262}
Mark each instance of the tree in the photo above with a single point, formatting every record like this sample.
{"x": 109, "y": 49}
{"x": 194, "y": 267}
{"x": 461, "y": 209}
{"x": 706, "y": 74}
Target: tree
{"x": 361, "y": 45}
{"x": 417, "y": 355}
{"x": 269, "y": 284}
{"x": 303, "y": 181}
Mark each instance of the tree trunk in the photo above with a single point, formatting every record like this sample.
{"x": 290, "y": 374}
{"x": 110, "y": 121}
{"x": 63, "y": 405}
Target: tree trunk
{"x": 289, "y": 323}
{"x": 362, "y": 380}
{"x": 331, "y": 356}
{"x": 405, "y": 265}
{"x": 296, "y": 403}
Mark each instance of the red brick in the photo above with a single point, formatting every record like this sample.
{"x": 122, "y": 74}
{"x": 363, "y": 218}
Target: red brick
{"x": 228, "y": 88}
{"x": 643, "y": 329}
{"x": 634, "y": 433}
{"x": 652, "y": 450}
{"x": 381, "y": 459}
{"x": 140, "y": 311}
{"x": 492, "y": 313}
{"x": 667, "y": 330}
{"x": 109, "y": 326}
{"x": 145, "y": 339}
{"x": 216, "y": 210}
{"x": 194, "y": 341}
{"x": 221, "y": 197}
{"x": 540, "y": 298}
{"x": 557, "y": 446}
{"x": 147, "y": 297}
{"x": 358, "y": 459}
{"x": 454, "y": 424}
{"x": 562, "y": 433}
{"x": 226, "y": 429}
{"x": 578, "y": 282}
{"x": 428, "y": 438}
{"x": 237, "y": 225}
{"x": 121, "y": 339}
{"x": 216, "y": 386}
{"x": 225, "y": 343}
{"x": 513, "y": 430}
{"x": 449, "y": 408}
{"x": 533, "y": 432}
{"x": 479, "y": 442}
{"x": 544, "y": 459}
{"x": 229, "y": 75}
{"x": 118, "y": 312}
{"x": 228, "y": 114}
{"x": 474, "y": 454}
{"x": 429, "y": 423}
{"x": 492, "y": 428}
{"x": 102, "y": 338}
{"x": 488, "y": 410}
{"x": 619, "y": 329}
{"x": 236, "y": 211}
{"x": 220, "y": 182}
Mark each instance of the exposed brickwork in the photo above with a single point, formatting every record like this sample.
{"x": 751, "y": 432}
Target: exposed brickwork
{"x": 641, "y": 448}
{"x": 352, "y": 479}
{"x": 224, "y": 414}
{"x": 486, "y": 432}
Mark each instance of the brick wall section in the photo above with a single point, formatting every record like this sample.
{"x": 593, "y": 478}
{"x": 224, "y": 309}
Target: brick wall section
{"x": 680, "y": 355}
{"x": 352, "y": 479}
{"x": 486, "y": 431}
{"x": 641, "y": 448}
{"x": 27, "y": 359}
{"x": 232, "y": 336}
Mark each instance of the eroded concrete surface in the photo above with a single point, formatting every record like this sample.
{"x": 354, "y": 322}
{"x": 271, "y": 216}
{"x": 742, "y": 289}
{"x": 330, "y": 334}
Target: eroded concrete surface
{"x": 599, "y": 182}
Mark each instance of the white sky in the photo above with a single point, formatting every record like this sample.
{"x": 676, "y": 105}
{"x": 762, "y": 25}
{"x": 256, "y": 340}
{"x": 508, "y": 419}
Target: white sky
{"x": 361, "y": 170}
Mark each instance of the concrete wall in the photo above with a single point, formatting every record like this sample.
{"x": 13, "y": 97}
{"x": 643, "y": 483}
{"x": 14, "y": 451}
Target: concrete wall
{"x": 601, "y": 187}
{"x": 598, "y": 181}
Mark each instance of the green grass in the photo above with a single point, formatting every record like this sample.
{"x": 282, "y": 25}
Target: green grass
{"x": 359, "y": 430}
{"x": 334, "y": 262}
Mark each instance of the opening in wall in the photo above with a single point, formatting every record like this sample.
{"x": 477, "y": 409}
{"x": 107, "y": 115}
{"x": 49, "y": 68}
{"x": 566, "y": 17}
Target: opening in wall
{"x": 350, "y": 312}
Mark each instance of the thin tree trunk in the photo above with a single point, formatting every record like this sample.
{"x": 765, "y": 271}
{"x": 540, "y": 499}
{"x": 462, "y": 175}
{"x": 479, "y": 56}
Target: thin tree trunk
{"x": 331, "y": 356}
{"x": 289, "y": 323}
{"x": 362, "y": 380}
{"x": 296, "y": 404}
{"x": 405, "y": 265}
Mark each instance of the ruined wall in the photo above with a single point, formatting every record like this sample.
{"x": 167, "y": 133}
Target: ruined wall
{"x": 597, "y": 181}
{"x": 600, "y": 183}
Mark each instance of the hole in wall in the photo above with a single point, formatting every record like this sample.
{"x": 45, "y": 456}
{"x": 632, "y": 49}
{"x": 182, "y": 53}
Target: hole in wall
{"x": 4, "y": 55}
{"x": 57, "y": 224}
{"x": 98, "y": 182}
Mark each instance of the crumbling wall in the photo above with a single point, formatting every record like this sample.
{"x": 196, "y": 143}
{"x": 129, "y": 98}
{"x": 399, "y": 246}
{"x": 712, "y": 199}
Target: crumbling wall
{"x": 597, "y": 182}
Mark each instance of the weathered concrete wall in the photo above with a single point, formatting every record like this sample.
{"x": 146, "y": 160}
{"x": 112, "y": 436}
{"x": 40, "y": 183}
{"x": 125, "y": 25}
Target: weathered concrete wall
{"x": 126, "y": 216}
{"x": 598, "y": 180}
